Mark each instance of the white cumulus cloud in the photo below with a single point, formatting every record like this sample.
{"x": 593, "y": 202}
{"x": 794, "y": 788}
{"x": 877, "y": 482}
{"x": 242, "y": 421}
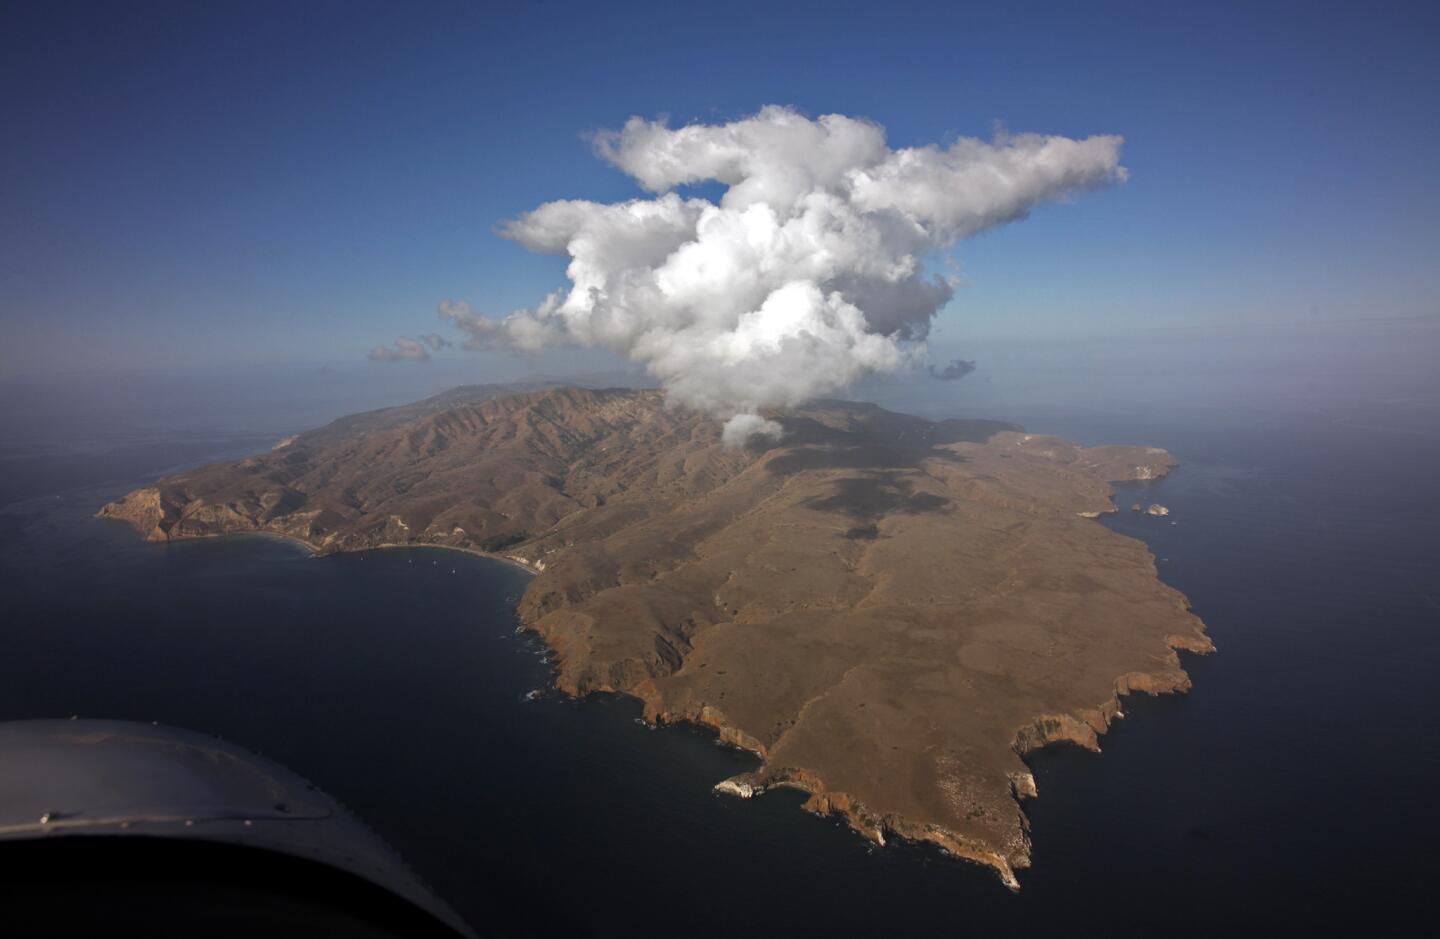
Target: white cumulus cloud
{"x": 806, "y": 275}
{"x": 742, "y": 427}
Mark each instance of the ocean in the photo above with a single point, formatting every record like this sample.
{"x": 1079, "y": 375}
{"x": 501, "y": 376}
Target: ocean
{"x": 1293, "y": 785}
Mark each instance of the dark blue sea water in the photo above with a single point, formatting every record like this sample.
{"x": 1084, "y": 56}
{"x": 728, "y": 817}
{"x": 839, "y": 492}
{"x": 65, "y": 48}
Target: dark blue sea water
{"x": 1295, "y": 784}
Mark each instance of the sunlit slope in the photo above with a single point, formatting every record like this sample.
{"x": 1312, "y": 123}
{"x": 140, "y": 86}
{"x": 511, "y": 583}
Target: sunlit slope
{"x": 889, "y": 611}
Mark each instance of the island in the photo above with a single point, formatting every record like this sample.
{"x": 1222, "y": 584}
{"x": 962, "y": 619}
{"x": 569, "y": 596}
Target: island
{"x": 889, "y": 612}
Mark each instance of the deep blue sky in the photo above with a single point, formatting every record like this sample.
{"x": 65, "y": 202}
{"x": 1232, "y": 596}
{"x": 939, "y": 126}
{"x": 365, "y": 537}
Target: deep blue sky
{"x": 218, "y": 184}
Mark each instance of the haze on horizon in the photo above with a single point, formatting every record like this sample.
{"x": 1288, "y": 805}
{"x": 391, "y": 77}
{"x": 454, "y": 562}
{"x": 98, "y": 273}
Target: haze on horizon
{"x": 213, "y": 187}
